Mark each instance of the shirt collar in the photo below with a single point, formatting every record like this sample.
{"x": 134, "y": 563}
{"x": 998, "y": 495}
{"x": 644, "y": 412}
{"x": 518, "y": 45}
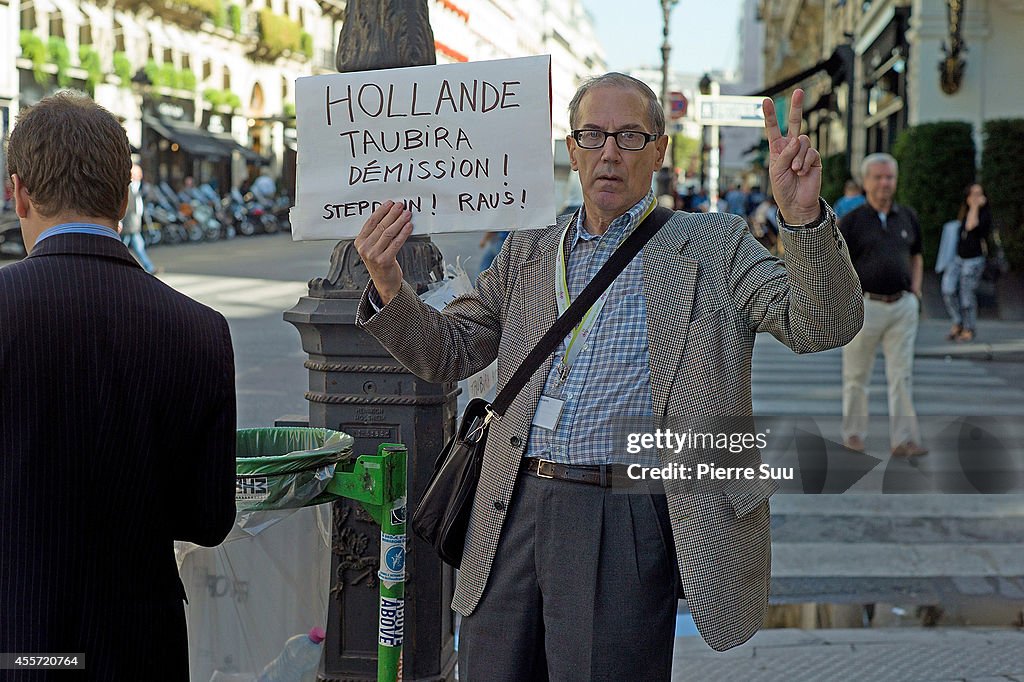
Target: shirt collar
{"x": 78, "y": 228}
{"x": 624, "y": 223}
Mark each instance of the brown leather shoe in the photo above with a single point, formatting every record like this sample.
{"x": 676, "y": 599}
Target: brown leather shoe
{"x": 909, "y": 449}
{"x": 954, "y": 332}
{"x": 854, "y": 443}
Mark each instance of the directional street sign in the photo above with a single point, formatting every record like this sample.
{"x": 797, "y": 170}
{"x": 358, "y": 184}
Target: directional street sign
{"x": 730, "y": 110}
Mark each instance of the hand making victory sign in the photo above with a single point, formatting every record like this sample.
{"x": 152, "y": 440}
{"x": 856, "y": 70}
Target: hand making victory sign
{"x": 794, "y": 166}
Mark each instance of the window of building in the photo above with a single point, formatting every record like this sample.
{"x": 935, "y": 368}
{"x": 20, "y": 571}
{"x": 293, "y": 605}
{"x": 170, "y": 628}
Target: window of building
{"x": 207, "y": 69}
{"x": 168, "y": 56}
{"x": 56, "y": 25}
{"x": 186, "y": 63}
{"x": 227, "y": 78}
{"x": 28, "y": 17}
{"x": 119, "y": 38}
{"x": 85, "y": 34}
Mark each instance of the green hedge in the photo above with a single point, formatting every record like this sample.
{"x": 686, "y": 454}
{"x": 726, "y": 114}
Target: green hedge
{"x": 936, "y": 164}
{"x": 60, "y": 55}
{"x": 1002, "y": 175}
{"x": 220, "y": 98}
{"x": 89, "y": 58}
{"x": 279, "y": 34}
{"x": 835, "y": 171}
{"x": 123, "y": 68}
{"x": 34, "y": 49}
{"x": 235, "y": 18}
{"x": 166, "y": 76}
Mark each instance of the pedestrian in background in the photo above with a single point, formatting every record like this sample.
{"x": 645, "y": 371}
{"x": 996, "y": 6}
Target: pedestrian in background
{"x": 961, "y": 276}
{"x": 851, "y": 199}
{"x": 491, "y": 244}
{"x": 117, "y": 432}
{"x": 131, "y": 224}
{"x": 885, "y": 245}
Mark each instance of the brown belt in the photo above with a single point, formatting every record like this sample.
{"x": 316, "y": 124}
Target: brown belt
{"x": 886, "y": 298}
{"x": 603, "y": 475}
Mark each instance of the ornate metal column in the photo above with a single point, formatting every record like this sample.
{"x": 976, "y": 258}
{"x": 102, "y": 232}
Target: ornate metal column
{"x": 357, "y": 387}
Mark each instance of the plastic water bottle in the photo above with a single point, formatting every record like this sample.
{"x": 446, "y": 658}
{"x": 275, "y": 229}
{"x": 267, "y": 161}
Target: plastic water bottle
{"x": 301, "y": 654}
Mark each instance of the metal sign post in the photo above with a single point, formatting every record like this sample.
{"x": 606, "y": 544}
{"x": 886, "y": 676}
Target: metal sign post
{"x": 724, "y": 110}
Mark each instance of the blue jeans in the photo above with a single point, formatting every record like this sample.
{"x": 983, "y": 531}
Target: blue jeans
{"x": 137, "y": 244}
{"x": 959, "y": 290}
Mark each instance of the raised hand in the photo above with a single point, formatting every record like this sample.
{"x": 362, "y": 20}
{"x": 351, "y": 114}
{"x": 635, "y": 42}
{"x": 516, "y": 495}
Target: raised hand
{"x": 794, "y": 166}
{"x": 378, "y": 243}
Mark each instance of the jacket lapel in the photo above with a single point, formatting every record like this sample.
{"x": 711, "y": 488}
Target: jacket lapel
{"x": 669, "y": 284}
{"x": 538, "y": 285}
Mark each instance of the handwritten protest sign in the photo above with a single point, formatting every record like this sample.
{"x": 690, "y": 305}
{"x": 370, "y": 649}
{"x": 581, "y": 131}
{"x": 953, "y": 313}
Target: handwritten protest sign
{"x": 466, "y": 146}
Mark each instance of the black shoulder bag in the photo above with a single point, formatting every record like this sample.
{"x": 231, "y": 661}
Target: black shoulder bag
{"x": 442, "y": 514}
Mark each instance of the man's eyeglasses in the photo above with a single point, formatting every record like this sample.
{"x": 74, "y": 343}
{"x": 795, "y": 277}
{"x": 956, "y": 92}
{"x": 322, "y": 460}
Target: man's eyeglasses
{"x": 628, "y": 140}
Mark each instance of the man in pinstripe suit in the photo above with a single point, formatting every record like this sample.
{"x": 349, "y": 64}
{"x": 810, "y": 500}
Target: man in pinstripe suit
{"x": 117, "y": 415}
{"x": 561, "y": 579}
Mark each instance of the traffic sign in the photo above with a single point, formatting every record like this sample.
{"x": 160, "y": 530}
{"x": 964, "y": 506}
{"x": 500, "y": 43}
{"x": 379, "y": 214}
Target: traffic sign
{"x": 677, "y": 105}
{"x": 730, "y": 110}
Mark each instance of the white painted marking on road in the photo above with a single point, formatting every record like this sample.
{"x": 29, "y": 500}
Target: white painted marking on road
{"x": 238, "y": 297}
{"x": 884, "y": 560}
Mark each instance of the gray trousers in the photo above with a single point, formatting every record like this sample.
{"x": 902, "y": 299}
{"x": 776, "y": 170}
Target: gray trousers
{"x": 583, "y": 587}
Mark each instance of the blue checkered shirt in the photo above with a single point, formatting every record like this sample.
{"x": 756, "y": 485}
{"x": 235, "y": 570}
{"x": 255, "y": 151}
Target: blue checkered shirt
{"x": 610, "y": 378}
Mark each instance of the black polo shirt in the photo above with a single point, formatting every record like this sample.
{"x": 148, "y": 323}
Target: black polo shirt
{"x": 881, "y": 254}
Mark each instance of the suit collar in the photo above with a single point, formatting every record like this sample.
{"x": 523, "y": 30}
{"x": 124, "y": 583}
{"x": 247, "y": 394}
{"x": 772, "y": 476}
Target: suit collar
{"x": 83, "y": 245}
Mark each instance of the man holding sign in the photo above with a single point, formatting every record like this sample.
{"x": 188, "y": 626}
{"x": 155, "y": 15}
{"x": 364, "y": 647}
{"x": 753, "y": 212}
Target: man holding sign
{"x": 562, "y": 578}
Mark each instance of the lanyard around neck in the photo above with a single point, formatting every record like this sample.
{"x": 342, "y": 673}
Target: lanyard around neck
{"x": 578, "y": 339}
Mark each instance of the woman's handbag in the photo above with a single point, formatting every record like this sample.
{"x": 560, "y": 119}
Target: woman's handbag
{"x": 442, "y": 514}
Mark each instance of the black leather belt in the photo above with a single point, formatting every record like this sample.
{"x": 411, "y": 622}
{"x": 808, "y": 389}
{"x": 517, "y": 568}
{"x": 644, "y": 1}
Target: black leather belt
{"x": 603, "y": 475}
{"x": 886, "y": 298}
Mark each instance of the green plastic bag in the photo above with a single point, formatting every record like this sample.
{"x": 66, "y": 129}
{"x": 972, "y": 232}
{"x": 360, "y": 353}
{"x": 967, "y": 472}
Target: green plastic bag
{"x": 288, "y": 467}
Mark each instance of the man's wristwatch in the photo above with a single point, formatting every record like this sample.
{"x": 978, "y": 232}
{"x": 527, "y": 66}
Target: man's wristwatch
{"x": 806, "y": 226}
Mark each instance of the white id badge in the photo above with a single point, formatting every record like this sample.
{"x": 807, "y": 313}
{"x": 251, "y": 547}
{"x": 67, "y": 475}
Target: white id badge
{"x": 548, "y": 411}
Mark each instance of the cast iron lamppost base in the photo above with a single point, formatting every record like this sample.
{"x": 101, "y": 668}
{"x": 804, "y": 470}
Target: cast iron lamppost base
{"x": 356, "y": 386}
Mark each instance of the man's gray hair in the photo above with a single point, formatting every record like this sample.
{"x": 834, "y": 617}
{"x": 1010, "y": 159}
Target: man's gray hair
{"x": 878, "y": 157}
{"x": 655, "y": 113}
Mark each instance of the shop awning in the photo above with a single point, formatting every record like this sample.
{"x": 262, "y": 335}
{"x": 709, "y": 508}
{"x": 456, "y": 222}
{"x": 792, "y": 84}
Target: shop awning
{"x": 838, "y": 66}
{"x": 233, "y": 145}
{"x": 193, "y": 140}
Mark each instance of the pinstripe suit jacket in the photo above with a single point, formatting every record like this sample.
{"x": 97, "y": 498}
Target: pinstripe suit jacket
{"x": 709, "y": 287}
{"x": 117, "y": 419}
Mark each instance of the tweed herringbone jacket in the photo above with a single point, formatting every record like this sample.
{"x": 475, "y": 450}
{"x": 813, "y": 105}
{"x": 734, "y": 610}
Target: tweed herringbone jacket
{"x": 709, "y": 287}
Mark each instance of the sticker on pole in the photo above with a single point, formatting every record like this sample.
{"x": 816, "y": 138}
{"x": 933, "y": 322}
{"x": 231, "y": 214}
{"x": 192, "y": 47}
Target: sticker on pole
{"x": 392, "y": 559}
{"x": 392, "y": 621}
{"x": 398, "y": 512}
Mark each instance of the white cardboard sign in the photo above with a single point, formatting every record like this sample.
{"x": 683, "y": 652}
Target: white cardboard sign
{"x": 466, "y": 146}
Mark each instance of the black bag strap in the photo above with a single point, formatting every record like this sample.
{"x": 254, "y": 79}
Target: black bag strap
{"x": 575, "y": 312}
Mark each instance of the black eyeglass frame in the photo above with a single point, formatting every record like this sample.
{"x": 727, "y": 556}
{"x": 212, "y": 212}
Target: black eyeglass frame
{"x": 648, "y": 138}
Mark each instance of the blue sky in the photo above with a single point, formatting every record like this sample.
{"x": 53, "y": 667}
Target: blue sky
{"x": 703, "y": 33}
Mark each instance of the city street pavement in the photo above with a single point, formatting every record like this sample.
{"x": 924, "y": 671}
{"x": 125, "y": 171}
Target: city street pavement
{"x": 861, "y": 655}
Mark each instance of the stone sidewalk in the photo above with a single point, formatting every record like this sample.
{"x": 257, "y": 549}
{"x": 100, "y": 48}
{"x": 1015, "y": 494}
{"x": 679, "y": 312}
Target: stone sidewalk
{"x": 901, "y": 654}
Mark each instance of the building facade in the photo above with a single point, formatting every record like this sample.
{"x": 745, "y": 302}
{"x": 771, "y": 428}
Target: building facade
{"x": 873, "y": 68}
{"x": 205, "y": 88}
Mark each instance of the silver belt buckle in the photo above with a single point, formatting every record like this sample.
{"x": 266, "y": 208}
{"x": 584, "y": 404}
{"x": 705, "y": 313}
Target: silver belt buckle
{"x": 544, "y": 469}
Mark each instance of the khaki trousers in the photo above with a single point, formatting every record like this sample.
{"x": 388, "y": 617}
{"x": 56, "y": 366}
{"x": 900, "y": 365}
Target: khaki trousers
{"x": 894, "y": 326}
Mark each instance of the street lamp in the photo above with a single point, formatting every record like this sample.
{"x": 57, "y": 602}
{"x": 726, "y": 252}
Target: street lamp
{"x": 666, "y": 11}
